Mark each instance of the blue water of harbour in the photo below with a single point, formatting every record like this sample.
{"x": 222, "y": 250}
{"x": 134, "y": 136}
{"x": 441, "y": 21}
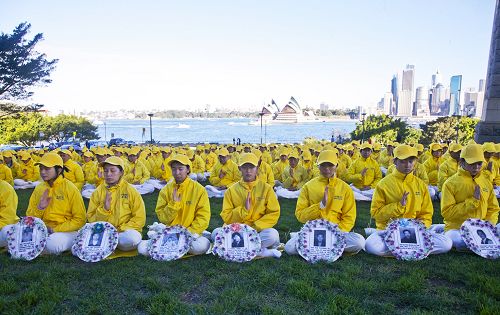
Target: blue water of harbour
{"x": 221, "y": 130}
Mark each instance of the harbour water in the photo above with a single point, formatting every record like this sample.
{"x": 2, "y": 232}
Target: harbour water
{"x": 221, "y": 130}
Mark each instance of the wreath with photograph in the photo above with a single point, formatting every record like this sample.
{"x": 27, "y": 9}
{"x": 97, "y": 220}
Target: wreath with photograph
{"x": 240, "y": 254}
{"x": 20, "y": 248}
{"x": 306, "y": 247}
{"x": 95, "y": 241}
{"x": 171, "y": 243}
{"x": 489, "y": 249}
{"x": 422, "y": 239}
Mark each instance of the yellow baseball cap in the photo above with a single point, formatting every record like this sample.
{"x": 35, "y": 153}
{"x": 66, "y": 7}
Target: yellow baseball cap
{"x": 419, "y": 147}
{"x": 88, "y": 154}
{"x": 257, "y": 153}
{"x": 190, "y": 154}
{"x": 293, "y": 154}
{"x": 404, "y": 151}
{"x": 435, "y": 147}
{"x": 114, "y": 160}
{"x": 134, "y": 151}
{"x": 248, "y": 158}
{"x": 181, "y": 158}
{"x": 328, "y": 156}
{"x": 50, "y": 160}
{"x": 365, "y": 145}
{"x": 66, "y": 151}
{"x": 472, "y": 153}
{"x": 455, "y": 147}
{"x": 23, "y": 155}
{"x": 489, "y": 147}
{"x": 223, "y": 152}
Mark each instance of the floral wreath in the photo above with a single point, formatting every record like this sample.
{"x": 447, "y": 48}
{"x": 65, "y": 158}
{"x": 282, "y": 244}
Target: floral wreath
{"x": 304, "y": 248}
{"x": 253, "y": 248}
{"x": 408, "y": 254}
{"x": 155, "y": 243}
{"x": 466, "y": 234}
{"x": 12, "y": 241}
{"x": 79, "y": 246}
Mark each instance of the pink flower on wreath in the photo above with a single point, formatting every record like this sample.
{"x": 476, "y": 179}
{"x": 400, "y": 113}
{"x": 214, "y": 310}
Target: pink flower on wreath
{"x": 235, "y": 227}
{"x": 30, "y": 221}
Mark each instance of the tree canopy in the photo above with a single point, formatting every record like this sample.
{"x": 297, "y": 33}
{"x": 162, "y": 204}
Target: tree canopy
{"x": 383, "y": 128}
{"x": 444, "y": 129}
{"x": 21, "y": 66}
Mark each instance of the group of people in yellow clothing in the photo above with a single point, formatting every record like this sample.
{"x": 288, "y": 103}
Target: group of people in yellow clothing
{"x": 325, "y": 178}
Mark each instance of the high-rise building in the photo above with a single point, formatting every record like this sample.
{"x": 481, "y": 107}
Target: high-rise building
{"x": 422, "y": 101}
{"x": 438, "y": 99}
{"x": 406, "y": 97}
{"x": 455, "y": 90}
{"x": 481, "y": 85}
{"x": 387, "y": 103}
{"x": 436, "y": 79}
{"x": 395, "y": 94}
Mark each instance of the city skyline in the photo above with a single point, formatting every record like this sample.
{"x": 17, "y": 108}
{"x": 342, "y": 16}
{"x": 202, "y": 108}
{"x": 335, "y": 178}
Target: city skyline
{"x": 173, "y": 55}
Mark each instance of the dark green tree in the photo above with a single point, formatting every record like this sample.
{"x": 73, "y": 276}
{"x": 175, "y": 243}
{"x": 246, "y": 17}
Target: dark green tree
{"x": 444, "y": 129}
{"x": 62, "y": 127}
{"x": 21, "y": 66}
{"x": 383, "y": 128}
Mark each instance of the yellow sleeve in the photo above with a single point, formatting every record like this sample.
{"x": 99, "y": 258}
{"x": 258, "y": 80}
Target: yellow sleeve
{"x": 351, "y": 175}
{"x": 80, "y": 179}
{"x": 34, "y": 200}
{"x": 378, "y": 175}
{"x": 145, "y": 174}
{"x": 450, "y": 208}
{"x": 166, "y": 208}
{"x": 214, "y": 176}
{"x": 427, "y": 209}
{"x": 493, "y": 209}
{"x": 382, "y": 211}
{"x": 77, "y": 212}
{"x": 230, "y": 212}
{"x": 96, "y": 211}
{"x": 304, "y": 210}
{"x": 202, "y": 214}
{"x": 8, "y": 204}
{"x": 272, "y": 215}
{"x": 138, "y": 219}
{"x": 348, "y": 211}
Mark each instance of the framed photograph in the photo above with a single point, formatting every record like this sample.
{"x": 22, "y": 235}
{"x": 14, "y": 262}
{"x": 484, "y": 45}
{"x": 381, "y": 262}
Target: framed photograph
{"x": 321, "y": 240}
{"x": 27, "y": 238}
{"x": 95, "y": 241}
{"x": 171, "y": 244}
{"x": 481, "y": 237}
{"x": 237, "y": 243}
{"x": 408, "y": 239}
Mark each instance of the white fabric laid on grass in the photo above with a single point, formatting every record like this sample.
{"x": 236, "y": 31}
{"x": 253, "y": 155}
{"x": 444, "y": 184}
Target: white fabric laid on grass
{"x": 128, "y": 240}
{"x": 362, "y": 195}
{"x": 145, "y": 188}
{"x": 433, "y": 192}
{"x": 285, "y": 193}
{"x": 23, "y": 184}
{"x": 213, "y": 192}
{"x": 156, "y": 183}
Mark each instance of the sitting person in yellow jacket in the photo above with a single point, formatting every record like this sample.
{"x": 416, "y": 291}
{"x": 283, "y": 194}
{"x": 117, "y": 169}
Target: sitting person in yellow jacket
{"x": 184, "y": 202}
{"x": 8, "y": 208}
{"x": 294, "y": 176}
{"x": 27, "y": 174}
{"x": 118, "y": 202}
{"x": 6, "y": 172}
{"x": 364, "y": 174}
{"x": 279, "y": 166}
{"x": 253, "y": 202}
{"x": 264, "y": 172}
{"x": 96, "y": 178}
{"x": 197, "y": 171}
{"x": 58, "y": 203}
{"x": 432, "y": 165}
{"x": 490, "y": 166}
{"x": 401, "y": 195}
{"x": 74, "y": 172}
{"x": 137, "y": 173}
{"x": 328, "y": 197}
{"x": 450, "y": 166}
{"x": 467, "y": 194}
{"x": 223, "y": 175}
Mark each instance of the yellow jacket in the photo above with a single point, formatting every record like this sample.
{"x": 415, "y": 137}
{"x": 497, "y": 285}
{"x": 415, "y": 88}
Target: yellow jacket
{"x": 418, "y": 170}
{"x": 299, "y": 178}
{"x": 8, "y": 204}
{"x": 458, "y": 203}
{"x": 192, "y": 211}
{"x": 340, "y": 208}
{"x": 265, "y": 209}
{"x": 127, "y": 210}
{"x": 198, "y": 165}
{"x": 6, "y": 174}
{"x": 447, "y": 169}
{"x": 388, "y": 193}
{"x": 345, "y": 159}
{"x": 385, "y": 159}
{"x": 28, "y": 172}
{"x": 156, "y": 161}
{"x": 74, "y": 174}
{"x": 432, "y": 166}
{"x": 278, "y": 169}
{"x": 66, "y": 210}
{"x": 210, "y": 160}
{"x": 230, "y": 169}
{"x": 137, "y": 172}
{"x": 492, "y": 175}
{"x": 266, "y": 157}
{"x": 265, "y": 173}
{"x": 372, "y": 175}
{"x": 90, "y": 172}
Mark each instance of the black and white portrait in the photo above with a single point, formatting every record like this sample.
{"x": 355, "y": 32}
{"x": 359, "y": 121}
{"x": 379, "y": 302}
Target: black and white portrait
{"x": 96, "y": 239}
{"x": 407, "y": 235}
{"x": 320, "y": 238}
{"x": 170, "y": 240}
{"x": 27, "y": 234}
{"x": 237, "y": 240}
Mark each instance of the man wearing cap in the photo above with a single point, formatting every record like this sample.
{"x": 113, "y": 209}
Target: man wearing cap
{"x": 58, "y": 203}
{"x": 27, "y": 174}
{"x": 197, "y": 169}
{"x": 74, "y": 171}
{"x": 6, "y": 172}
{"x": 8, "y": 208}
{"x": 328, "y": 197}
{"x": 401, "y": 195}
{"x": 118, "y": 202}
{"x": 490, "y": 167}
{"x": 467, "y": 194}
{"x": 253, "y": 202}
{"x": 264, "y": 172}
{"x": 386, "y": 156}
{"x": 101, "y": 154}
{"x": 364, "y": 174}
{"x": 224, "y": 173}
{"x": 184, "y": 202}
{"x": 210, "y": 159}
{"x": 279, "y": 166}
{"x": 294, "y": 176}
{"x": 450, "y": 166}
{"x": 432, "y": 165}
{"x": 136, "y": 173}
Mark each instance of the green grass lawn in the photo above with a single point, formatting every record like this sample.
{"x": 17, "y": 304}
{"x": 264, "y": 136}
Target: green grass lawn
{"x": 450, "y": 283}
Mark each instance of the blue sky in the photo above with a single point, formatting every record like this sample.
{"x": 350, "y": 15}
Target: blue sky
{"x": 240, "y": 54}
